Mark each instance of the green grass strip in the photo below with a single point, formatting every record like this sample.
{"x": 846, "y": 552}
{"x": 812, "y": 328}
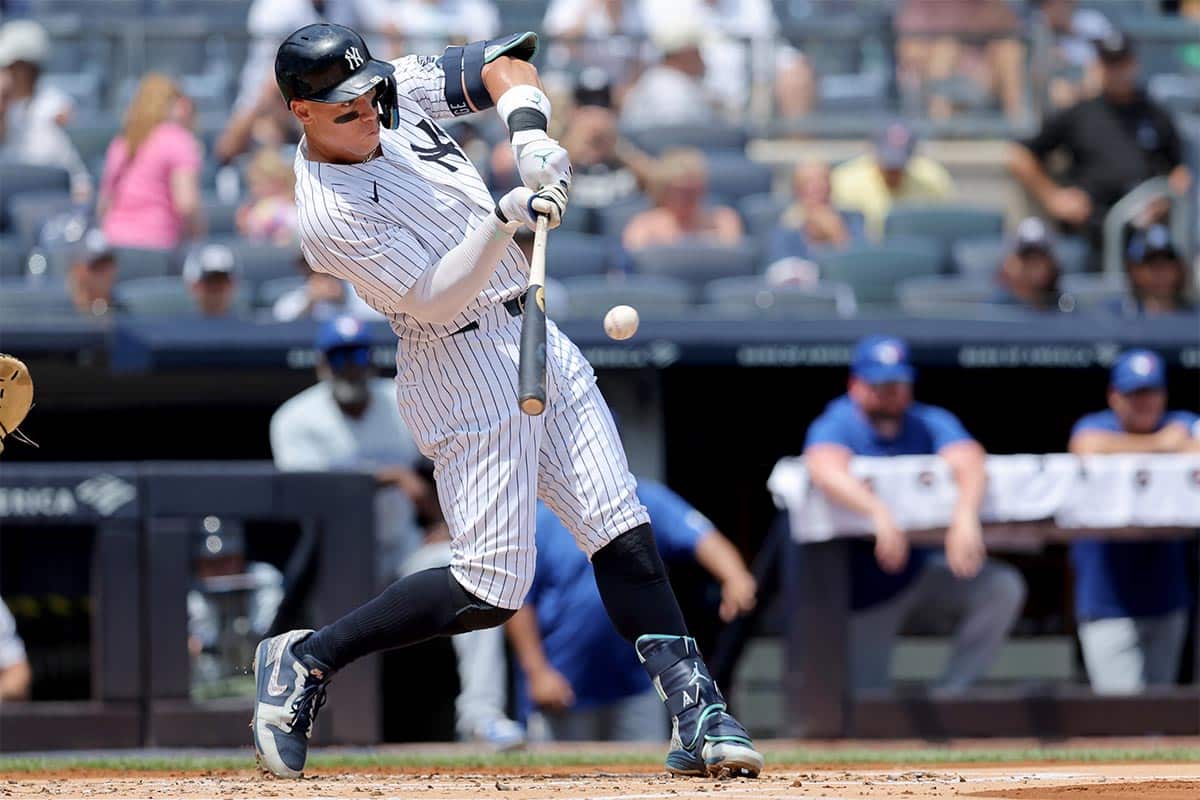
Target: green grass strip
{"x": 789, "y": 758}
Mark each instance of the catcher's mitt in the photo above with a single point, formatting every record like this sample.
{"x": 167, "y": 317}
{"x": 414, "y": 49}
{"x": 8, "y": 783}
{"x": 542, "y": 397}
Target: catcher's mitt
{"x": 16, "y": 397}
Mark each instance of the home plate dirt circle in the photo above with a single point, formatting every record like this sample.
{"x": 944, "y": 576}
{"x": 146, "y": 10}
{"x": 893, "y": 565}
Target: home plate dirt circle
{"x": 1057, "y": 782}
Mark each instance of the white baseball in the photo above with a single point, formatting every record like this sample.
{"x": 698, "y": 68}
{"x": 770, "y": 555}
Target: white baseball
{"x": 621, "y": 322}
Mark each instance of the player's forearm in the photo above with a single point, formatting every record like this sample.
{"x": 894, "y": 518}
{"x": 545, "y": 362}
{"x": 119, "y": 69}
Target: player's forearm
{"x": 829, "y": 469}
{"x": 446, "y": 287}
{"x": 506, "y": 73}
{"x": 720, "y": 558}
{"x": 1092, "y": 443}
{"x": 526, "y": 642}
{"x": 14, "y": 681}
{"x": 967, "y": 462}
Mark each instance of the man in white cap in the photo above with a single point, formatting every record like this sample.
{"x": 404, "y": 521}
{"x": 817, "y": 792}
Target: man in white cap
{"x": 210, "y": 273}
{"x": 32, "y": 116}
{"x": 673, "y": 91}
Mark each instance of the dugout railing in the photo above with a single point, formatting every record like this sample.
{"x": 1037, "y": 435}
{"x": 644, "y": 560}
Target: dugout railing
{"x": 140, "y": 571}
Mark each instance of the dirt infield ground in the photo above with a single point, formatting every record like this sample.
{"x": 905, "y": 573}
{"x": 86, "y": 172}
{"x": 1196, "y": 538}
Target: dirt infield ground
{"x": 1050, "y": 779}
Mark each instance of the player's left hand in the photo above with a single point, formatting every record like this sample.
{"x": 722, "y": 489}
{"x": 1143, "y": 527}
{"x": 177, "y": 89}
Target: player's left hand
{"x": 524, "y": 206}
{"x": 738, "y": 596}
{"x": 541, "y": 161}
{"x": 965, "y": 551}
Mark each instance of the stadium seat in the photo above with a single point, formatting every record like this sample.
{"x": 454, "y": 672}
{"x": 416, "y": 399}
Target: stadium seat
{"x": 591, "y": 296}
{"x": 570, "y": 254}
{"x": 270, "y": 291}
{"x": 982, "y": 256}
{"x": 944, "y": 224}
{"x": 761, "y": 212}
{"x": 85, "y": 88}
{"x": 752, "y": 297}
{"x": 709, "y": 138}
{"x": 91, "y": 136}
{"x": 12, "y": 257}
{"x": 85, "y": 8}
{"x": 21, "y": 301}
{"x": 135, "y": 262}
{"x": 225, "y": 13}
{"x": 696, "y": 262}
{"x": 1094, "y": 292}
{"x": 937, "y": 293}
{"x": 221, "y": 217}
{"x": 27, "y": 212}
{"x": 874, "y": 271}
{"x": 168, "y": 296}
{"x": 258, "y": 262}
{"x": 615, "y": 217}
{"x": 16, "y": 179}
{"x": 732, "y": 176}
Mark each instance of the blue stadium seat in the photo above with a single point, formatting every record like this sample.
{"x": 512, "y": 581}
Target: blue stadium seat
{"x": 982, "y": 256}
{"x": 733, "y": 176}
{"x": 875, "y": 271}
{"x": 697, "y": 262}
{"x": 259, "y": 262}
{"x": 134, "y": 263}
{"x": 570, "y": 254}
{"x": 27, "y": 212}
{"x": 709, "y": 138}
{"x": 221, "y": 217}
{"x": 12, "y": 257}
{"x": 591, "y": 296}
{"x": 946, "y": 224}
{"x": 761, "y": 212}
{"x": 86, "y": 8}
{"x": 225, "y": 13}
{"x": 615, "y": 217}
{"x": 21, "y": 301}
{"x": 168, "y": 296}
{"x": 16, "y": 179}
{"x": 937, "y": 293}
{"x": 270, "y": 291}
{"x": 750, "y": 296}
{"x": 91, "y": 136}
{"x": 1094, "y": 292}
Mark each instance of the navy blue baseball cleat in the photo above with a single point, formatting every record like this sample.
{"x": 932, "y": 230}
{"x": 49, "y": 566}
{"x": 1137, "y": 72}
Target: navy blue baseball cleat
{"x": 705, "y": 738}
{"x": 290, "y": 691}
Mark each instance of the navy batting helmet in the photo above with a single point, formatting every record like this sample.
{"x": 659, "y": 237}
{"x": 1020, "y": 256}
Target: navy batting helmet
{"x": 327, "y": 63}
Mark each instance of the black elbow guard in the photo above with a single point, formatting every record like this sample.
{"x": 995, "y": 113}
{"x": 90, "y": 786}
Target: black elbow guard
{"x": 463, "y": 67}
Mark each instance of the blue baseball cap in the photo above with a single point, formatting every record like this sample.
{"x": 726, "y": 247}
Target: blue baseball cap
{"x": 882, "y": 359}
{"x": 1138, "y": 369}
{"x": 1153, "y": 241}
{"x": 343, "y": 331}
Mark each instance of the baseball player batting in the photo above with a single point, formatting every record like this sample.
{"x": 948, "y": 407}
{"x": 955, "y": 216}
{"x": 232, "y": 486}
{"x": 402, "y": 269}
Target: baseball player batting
{"x": 389, "y": 202}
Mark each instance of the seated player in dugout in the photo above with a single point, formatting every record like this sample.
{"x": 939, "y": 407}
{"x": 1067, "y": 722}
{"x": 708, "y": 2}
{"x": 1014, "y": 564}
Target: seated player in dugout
{"x": 892, "y": 582}
{"x": 1132, "y": 597}
{"x": 387, "y": 201}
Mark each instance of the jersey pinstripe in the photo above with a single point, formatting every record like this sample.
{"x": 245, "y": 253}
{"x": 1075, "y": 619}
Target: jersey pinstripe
{"x": 379, "y": 225}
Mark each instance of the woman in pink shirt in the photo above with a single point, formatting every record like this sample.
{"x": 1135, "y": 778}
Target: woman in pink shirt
{"x": 150, "y": 191}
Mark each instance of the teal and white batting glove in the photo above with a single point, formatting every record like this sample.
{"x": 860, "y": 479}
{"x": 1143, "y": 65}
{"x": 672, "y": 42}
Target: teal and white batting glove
{"x": 522, "y": 206}
{"x": 541, "y": 161}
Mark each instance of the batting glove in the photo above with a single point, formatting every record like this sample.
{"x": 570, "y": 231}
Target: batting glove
{"x": 522, "y": 206}
{"x": 541, "y": 161}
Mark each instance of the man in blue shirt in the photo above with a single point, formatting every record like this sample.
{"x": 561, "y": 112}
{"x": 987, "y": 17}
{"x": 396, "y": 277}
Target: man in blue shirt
{"x": 581, "y": 677}
{"x": 1131, "y": 598}
{"x": 891, "y": 583}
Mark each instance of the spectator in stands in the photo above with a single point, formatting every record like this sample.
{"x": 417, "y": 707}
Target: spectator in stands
{"x": 1158, "y": 279}
{"x": 321, "y": 297}
{"x": 217, "y": 617}
{"x": 811, "y": 223}
{"x": 270, "y": 213}
{"x": 92, "y": 275}
{"x": 1029, "y": 274}
{"x": 892, "y": 173}
{"x": 596, "y": 33}
{"x": 1132, "y": 598}
{"x": 741, "y": 51}
{"x": 940, "y": 41}
{"x": 1073, "y": 71}
{"x": 150, "y": 190}
{"x": 584, "y": 681}
{"x": 429, "y": 24}
{"x": 211, "y": 276}
{"x": 349, "y": 421}
{"x": 672, "y": 92}
{"x": 1114, "y": 142}
{"x": 681, "y": 210}
{"x": 891, "y": 582}
{"x": 32, "y": 114}
{"x": 15, "y": 675}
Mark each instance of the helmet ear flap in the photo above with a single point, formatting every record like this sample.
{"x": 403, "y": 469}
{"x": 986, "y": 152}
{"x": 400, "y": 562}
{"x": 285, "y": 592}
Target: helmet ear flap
{"x": 385, "y": 103}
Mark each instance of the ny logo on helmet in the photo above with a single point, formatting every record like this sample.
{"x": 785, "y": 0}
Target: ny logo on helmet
{"x": 353, "y": 58}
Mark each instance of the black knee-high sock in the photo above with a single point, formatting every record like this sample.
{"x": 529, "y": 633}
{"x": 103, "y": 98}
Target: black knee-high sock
{"x": 415, "y": 608}
{"x": 634, "y": 586}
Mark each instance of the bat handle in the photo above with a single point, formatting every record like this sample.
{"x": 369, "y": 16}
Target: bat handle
{"x": 531, "y": 378}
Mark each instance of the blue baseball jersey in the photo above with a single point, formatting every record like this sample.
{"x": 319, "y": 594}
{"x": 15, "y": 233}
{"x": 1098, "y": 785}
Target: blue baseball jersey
{"x": 577, "y": 635}
{"x": 1129, "y": 579}
{"x": 924, "y": 430}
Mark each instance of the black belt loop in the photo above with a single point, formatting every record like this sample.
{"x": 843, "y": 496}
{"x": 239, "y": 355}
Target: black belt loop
{"x": 513, "y": 307}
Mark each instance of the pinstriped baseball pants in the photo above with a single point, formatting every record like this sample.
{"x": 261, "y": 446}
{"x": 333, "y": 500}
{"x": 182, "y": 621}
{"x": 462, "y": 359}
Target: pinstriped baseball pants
{"x": 458, "y": 395}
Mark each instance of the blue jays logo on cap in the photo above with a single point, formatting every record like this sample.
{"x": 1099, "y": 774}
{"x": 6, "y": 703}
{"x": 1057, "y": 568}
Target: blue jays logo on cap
{"x": 1138, "y": 369}
{"x": 343, "y": 331}
{"x": 882, "y": 359}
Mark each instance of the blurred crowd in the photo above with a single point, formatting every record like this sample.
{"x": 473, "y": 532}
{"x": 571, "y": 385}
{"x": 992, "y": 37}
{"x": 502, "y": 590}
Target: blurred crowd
{"x": 185, "y": 206}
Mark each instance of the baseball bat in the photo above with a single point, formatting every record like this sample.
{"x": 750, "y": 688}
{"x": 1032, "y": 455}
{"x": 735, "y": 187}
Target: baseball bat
{"x": 531, "y": 372}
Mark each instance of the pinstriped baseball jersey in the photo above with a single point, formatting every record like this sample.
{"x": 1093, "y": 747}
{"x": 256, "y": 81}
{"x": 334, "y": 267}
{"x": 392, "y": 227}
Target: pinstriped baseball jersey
{"x": 379, "y": 225}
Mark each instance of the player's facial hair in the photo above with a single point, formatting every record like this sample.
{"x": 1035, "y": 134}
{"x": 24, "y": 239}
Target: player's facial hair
{"x": 349, "y": 393}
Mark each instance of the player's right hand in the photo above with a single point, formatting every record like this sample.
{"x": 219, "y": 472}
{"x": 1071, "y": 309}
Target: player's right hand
{"x": 549, "y": 690}
{"x": 891, "y": 544}
{"x": 522, "y": 206}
